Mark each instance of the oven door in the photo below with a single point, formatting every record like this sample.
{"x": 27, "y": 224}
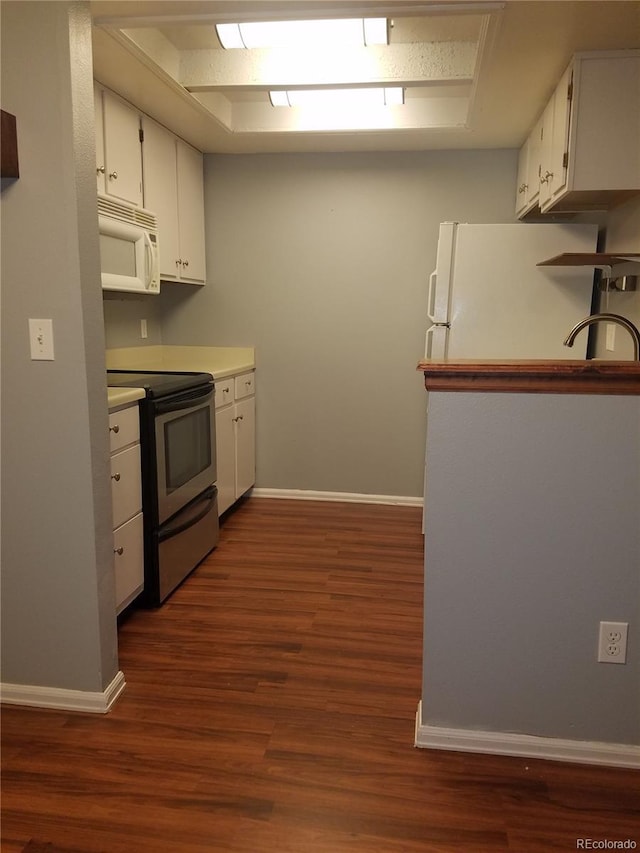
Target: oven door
{"x": 185, "y": 448}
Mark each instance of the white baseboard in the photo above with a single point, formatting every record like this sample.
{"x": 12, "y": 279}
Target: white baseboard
{"x": 345, "y": 497}
{"x": 526, "y": 746}
{"x": 61, "y": 699}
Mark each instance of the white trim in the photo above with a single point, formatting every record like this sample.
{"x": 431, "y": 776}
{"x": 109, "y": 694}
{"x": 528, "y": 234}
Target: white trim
{"x": 62, "y": 699}
{"x": 345, "y": 497}
{"x": 526, "y": 746}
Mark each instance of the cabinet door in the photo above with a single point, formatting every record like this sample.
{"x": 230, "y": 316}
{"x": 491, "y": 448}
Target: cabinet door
{"x": 128, "y": 552}
{"x": 226, "y": 458}
{"x": 126, "y": 490}
{"x": 521, "y": 182}
{"x": 546, "y": 152}
{"x": 559, "y": 151}
{"x": 245, "y": 445}
{"x": 191, "y": 212}
{"x": 161, "y": 192}
{"x": 123, "y": 156}
{"x": 99, "y": 119}
{"x": 533, "y": 165}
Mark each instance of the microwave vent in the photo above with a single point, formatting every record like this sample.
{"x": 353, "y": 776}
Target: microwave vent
{"x": 124, "y": 212}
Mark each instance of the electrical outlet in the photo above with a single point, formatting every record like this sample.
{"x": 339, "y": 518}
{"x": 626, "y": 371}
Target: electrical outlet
{"x": 612, "y": 642}
{"x": 611, "y": 337}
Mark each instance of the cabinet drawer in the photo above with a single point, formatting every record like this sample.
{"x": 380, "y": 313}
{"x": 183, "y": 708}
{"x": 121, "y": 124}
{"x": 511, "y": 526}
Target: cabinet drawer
{"x": 245, "y": 385}
{"x": 124, "y": 428}
{"x": 224, "y": 392}
{"x": 128, "y": 561}
{"x": 126, "y": 492}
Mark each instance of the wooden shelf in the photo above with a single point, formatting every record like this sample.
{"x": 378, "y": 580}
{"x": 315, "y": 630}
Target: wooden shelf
{"x": 590, "y": 259}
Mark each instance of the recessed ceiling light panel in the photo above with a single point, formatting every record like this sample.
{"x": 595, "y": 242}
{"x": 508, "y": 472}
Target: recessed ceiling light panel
{"x": 342, "y": 32}
{"x": 338, "y": 98}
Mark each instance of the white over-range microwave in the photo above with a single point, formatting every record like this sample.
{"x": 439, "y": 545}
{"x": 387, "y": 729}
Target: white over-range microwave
{"x": 128, "y": 247}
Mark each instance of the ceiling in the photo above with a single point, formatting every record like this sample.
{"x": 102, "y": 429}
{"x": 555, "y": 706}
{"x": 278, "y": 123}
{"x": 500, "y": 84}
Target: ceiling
{"x": 476, "y": 74}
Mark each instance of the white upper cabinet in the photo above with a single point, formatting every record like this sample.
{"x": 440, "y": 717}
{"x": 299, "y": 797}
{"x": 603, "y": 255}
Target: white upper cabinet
{"x": 590, "y": 136}
{"x": 528, "y": 187}
{"x": 555, "y": 141}
{"x": 173, "y": 190}
{"x": 191, "y": 211}
{"x": 118, "y": 148}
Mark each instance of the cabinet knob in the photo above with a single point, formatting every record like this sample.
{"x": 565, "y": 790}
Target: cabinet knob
{"x": 113, "y": 176}
{"x": 119, "y": 551}
{"x": 115, "y": 429}
{"x": 116, "y": 477}
{"x": 100, "y": 170}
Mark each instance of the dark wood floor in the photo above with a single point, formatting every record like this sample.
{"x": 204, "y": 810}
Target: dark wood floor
{"x": 270, "y": 708}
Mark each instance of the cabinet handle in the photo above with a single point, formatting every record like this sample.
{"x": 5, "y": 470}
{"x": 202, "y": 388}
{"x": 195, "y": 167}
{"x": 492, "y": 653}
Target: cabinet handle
{"x": 115, "y": 429}
{"x": 179, "y": 262}
{"x": 185, "y": 263}
{"x": 522, "y": 188}
{"x": 116, "y": 477}
{"x": 113, "y": 176}
{"x": 119, "y": 551}
{"x": 248, "y": 383}
{"x": 239, "y": 418}
{"x": 100, "y": 170}
{"x": 546, "y": 178}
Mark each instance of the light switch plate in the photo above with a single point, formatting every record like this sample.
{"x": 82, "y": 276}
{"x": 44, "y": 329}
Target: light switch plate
{"x": 41, "y": 340}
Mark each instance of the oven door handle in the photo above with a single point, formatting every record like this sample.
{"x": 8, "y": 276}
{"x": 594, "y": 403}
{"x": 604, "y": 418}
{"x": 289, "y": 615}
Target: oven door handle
{"x": 193, "y": 516}
{"x": 185, "y": 401}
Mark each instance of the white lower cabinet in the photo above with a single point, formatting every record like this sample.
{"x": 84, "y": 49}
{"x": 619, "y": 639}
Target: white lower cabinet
{"x": 126, "y": 499}
{"x": 235, "y": 437}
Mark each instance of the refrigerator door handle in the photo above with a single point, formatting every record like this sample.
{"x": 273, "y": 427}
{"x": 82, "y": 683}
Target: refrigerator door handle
{"x": 435, "y": 346}
{"x": 431, "y": 295}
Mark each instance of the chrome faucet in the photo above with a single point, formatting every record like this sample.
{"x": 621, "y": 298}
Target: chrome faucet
{"x": 607, "y": 318}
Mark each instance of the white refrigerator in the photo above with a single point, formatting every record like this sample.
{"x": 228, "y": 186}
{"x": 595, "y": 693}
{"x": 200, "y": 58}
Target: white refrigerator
{"x": 489, "y": 299}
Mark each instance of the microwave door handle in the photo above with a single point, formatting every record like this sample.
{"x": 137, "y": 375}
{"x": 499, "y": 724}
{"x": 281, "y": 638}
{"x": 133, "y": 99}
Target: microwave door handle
{"x": 150, "y": 261}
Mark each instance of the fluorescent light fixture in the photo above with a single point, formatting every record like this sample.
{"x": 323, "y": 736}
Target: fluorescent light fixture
{"x": 341, "y": 32}
{"x": 338, "y": 98}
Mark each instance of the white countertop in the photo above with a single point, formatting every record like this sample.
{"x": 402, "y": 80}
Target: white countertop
{"x": 117, "y": 397}
{"x": 219, "y": 361}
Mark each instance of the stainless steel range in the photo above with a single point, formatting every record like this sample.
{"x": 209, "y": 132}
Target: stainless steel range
{"x": 179, "y": 495}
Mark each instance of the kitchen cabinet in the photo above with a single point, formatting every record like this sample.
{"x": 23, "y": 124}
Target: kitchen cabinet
{"x": 174, "y": 191}
{"x": 528, "y": 184}
{"x": 118, "y": 148}
{"x": 589, "y": 136}
{"x": 235, "y": 437}
{"x": 555, "y": 140}
{"x": 126, "y": 499}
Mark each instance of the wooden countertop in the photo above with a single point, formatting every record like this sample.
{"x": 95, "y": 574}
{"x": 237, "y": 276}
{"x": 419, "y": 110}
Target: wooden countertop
{"x": 534, "y": 377}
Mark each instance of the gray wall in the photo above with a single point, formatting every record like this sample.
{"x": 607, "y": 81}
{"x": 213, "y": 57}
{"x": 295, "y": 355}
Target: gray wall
{"x": 58, "y": 623}
{"x": 623, "y": 235}
{"x": 322, "y": 263}
{"x": 532, "y": 538}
